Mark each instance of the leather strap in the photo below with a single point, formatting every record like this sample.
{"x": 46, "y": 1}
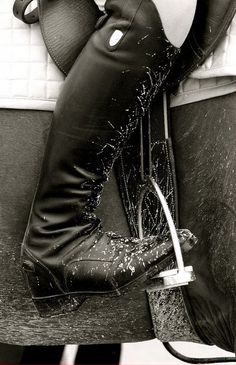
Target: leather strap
{"x": 153, "y": 128}
{"x": 19, "y": 10}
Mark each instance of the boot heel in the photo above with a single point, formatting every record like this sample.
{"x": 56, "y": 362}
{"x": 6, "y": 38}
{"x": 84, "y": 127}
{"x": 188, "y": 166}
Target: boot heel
{"x": 58, "y": 305}
{"x": 48, "y": 298}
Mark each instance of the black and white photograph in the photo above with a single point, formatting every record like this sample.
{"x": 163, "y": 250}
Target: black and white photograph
{"x": 117, "y": 182}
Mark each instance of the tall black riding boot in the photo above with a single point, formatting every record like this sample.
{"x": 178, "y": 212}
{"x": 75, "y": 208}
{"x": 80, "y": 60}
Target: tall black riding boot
{"x": 66, "y": 255}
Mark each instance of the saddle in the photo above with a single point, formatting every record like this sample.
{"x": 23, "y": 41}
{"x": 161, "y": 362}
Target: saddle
{"x": 66, "y": 26}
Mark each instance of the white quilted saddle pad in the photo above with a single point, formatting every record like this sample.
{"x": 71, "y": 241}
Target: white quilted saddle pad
{"x": 217, "y": 76}
{"x": 30, "y": 80}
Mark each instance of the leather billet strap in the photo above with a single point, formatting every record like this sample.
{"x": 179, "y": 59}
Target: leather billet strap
{"x": 19, "y": 10}
{"x": 161, "y": 162}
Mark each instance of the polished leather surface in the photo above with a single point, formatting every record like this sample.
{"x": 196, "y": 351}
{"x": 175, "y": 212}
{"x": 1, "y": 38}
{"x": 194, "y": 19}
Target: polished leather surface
{"x": 100, "y": 263}
{"x": 95, "y": 115}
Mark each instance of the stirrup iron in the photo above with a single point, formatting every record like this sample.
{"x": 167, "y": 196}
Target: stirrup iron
{"x": 180, "y": 276}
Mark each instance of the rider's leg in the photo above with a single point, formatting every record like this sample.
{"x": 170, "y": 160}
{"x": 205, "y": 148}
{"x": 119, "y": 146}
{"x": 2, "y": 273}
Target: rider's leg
{"x": 106, "y": 93}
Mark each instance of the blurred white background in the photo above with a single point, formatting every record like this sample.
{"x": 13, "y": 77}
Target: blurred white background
{"x": 153, "y": 353}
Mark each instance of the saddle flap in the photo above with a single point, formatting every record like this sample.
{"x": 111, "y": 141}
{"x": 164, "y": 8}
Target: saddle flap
{"x": 66, "y": 26}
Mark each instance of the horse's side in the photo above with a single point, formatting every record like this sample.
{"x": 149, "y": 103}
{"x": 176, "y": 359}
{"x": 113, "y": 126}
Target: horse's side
{"x": 206, "y": 163}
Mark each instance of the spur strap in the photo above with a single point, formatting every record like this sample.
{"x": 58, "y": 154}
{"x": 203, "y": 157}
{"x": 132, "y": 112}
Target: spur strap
{"x": 19, "y": 10}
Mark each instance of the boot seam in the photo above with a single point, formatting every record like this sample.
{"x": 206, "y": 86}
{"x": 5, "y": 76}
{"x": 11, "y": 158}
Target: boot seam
{"x": 88, "y": 260}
